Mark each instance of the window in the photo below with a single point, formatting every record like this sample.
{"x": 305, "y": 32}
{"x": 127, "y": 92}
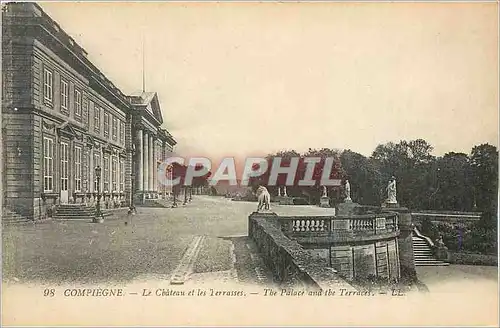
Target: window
{"x": 48, "y": 164}
{"x": 85, "y": 171}
{"x": 114, "y": 176}
{"x": 97, "y": 119}
{"x": 64, "y": 96}
{"x": 122, "y": 175}
{"x": 106, "y": 125}
{"x": 78, "y": 168}
{"x": 47, "y": 85}
{"x": 97, "y": 162}
{"x": 115, "y": 128}
{"x": 106, "y": 174}
{"x": 64, "y": 166}
{"x": 86, "y": 111}
{"x": 122, "y": 133}
{"x": 78, "y": 103}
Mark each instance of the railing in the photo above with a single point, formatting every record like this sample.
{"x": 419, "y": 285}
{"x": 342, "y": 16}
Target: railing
{"x": 367, "y": 224}
{"x": 427, "y": 239}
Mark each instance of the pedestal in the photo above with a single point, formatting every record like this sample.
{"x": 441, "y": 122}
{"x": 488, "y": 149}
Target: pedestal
{"x": 392, "y": 205}
{"x": 284, "y": 200}
{"x": 405, "y": 242}
{"x": 349, "y": 208}
{"x": 324, "y": 202}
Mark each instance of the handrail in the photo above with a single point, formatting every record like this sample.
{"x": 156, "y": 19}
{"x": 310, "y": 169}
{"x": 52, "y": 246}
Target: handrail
{"x": 324, "y": 224}
{"x": 338, "y": 217}
{"x": 427, "y": 239}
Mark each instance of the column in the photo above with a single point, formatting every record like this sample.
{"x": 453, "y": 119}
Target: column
{"x": 163, "y": 187}
{"x": 140, "y": 160}
{"x": 151, "y": 162}
{"x": 155, "y": 166}
{"x": 146, "y": 162}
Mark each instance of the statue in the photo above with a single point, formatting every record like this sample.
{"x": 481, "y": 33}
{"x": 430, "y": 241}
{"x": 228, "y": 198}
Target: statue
{"x": 391, "y": 191}
{"x": 279, "y": 191}
{"x": 324, "y": 201}
{"x": 284, "y": 192}
{"x": 347, "y": 191}
{"x": 264, "y": 198}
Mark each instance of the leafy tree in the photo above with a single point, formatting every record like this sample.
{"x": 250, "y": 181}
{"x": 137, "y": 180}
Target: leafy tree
{"x": 484, "y": 166}
{"x": 453, "y": 185}
{"x": 296, "y": 190}
{"x": 364, "y": 177}
{"x": 410, "y": 163}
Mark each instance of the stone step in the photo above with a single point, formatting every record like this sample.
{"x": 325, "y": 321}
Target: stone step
{"x": 76, "y": 212}
{"x": 76, "y": 217}
{"x": 431, "y": 263}
{"x": 17, "y": 221}
{"x": 422, "y": 254}
{"x": 12, "y": 218}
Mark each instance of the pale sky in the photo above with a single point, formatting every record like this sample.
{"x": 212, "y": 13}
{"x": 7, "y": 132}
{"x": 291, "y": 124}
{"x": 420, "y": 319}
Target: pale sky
{"x": 237, "y": 79}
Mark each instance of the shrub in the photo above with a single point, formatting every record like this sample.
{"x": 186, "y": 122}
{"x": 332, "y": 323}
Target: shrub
{"x": 429, "y": 229}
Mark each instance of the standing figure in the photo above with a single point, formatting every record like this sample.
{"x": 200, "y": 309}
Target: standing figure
{"x": 347, "y": 191}
{"x": 324, "y": 192}
{"x": 391, "y": 191}
{"x": 264, "y": 198}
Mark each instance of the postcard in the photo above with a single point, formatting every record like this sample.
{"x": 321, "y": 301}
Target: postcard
{"x": 249, "y": 163}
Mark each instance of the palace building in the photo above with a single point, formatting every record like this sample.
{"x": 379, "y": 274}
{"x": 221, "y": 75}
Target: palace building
{"x": 62, "y": 118}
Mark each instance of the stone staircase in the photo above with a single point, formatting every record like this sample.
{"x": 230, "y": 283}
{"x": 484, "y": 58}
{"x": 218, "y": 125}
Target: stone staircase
{"x": 422, "y": 253}
{"x": 12, "y": 218}
{"x": 74, "y": 212}
{"x": 166, "y": 203}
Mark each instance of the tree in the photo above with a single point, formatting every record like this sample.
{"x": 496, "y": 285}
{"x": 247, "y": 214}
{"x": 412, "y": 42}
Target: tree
{"x": 453, "y": 185}
{"x": 364, "y": 177}
{"x": 410, "y": 163}
{"x": 484, "y": 166}
{"x": 296, "y": 190}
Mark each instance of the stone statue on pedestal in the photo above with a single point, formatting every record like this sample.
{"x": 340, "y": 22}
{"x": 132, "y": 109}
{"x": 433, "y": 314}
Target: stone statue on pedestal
{"x": 324, "y": 201}
{"x": 347, "y": 191}
{"x": 391, "y": 191}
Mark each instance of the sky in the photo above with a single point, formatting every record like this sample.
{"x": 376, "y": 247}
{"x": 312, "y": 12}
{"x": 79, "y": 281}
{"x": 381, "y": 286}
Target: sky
{"x": 239, "y": 79}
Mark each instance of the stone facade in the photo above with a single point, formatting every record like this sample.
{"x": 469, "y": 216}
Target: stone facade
{"x": 380, "y": 259}
{"x": 62, "y": 118}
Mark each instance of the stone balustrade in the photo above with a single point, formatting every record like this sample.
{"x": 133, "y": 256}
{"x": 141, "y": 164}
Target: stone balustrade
{"x": 291, "y": 265}
{"x": 333, "y": 227}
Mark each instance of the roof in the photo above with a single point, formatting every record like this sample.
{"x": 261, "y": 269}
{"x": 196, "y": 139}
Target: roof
{"x": 142, "y": 99}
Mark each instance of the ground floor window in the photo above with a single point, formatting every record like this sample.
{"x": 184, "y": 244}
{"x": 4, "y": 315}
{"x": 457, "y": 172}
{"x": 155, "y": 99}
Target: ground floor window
{"x": 64, "y": 166}
{"x": 48, "y": 164}
{"x": 97, "y": 162}
{"x": 114, "y": 175}
{"x": 105, "y": 169}
{"x": 78, "y": 169}
{"x": 122, "y": 175}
